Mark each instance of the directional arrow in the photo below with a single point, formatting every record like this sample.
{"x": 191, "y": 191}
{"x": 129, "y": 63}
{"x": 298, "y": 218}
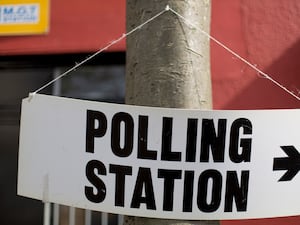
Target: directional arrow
{"x": 290, "y": 163}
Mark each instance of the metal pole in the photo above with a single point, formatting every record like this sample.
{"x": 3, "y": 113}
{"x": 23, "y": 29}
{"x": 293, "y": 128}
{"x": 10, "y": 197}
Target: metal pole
{"x": 47, "y": 213}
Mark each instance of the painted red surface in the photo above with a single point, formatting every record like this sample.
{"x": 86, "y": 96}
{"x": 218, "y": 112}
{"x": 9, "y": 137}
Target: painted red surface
{"x": 267, "y": 34}
{"x": 75, "y": 27}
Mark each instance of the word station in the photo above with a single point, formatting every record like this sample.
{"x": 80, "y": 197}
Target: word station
{"x": 204, "y": 186}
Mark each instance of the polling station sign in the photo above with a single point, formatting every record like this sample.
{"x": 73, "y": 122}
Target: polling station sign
{"x": 160, "y": 162}
{"x": 21, "y": 17}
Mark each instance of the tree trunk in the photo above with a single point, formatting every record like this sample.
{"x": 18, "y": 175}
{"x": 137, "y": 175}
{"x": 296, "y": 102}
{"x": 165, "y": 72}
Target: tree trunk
{"x": 168, "y": 64}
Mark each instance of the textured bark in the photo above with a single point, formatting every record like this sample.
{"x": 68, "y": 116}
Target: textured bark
{"x": 168, "y": 64}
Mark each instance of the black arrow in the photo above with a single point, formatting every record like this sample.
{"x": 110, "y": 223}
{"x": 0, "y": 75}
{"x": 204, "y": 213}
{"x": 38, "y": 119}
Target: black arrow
{"x": 290, "y": 163}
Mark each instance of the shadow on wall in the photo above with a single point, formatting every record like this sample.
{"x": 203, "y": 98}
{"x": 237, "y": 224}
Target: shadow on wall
{"x": 263, "y": 94}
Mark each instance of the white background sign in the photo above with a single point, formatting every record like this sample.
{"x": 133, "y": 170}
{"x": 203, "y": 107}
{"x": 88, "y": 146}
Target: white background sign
{"x": 162, "y": 163}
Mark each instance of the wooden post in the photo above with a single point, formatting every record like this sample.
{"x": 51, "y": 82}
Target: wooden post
{"x": 168, "y": 64}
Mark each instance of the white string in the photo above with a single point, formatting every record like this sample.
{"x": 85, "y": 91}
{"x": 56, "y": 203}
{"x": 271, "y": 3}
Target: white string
{"x": 186, "y": 21}
{"x": 263, "y": 74}
{"x": 98, "y": 52}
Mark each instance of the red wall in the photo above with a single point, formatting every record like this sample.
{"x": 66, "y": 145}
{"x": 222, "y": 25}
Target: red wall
{"x": 267, "y": 34}
{"x": 75, "y": 26}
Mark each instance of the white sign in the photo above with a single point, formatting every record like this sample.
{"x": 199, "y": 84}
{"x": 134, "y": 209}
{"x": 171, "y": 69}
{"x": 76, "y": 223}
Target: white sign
{"x": 159, "y": 162}
{"x": 19, "y": 13}
{"x": 21, "y": 17}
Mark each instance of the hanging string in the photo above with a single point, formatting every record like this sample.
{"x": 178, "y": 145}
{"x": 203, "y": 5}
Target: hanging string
{"x": 188, "y": 23}
{"x": 254, "y": 67}
{"x": 99, "y": 51}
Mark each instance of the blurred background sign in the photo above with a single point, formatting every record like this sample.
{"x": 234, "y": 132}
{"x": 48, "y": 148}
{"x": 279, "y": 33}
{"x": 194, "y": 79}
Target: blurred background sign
{"x": 22, "y": 17}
